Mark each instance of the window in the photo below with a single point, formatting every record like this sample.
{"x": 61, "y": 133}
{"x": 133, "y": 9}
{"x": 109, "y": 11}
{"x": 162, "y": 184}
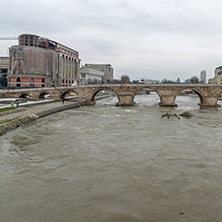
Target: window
{"x": 43, "y": 81}
{"x": 18, "y": 80}
{"x": 32, "y": 82}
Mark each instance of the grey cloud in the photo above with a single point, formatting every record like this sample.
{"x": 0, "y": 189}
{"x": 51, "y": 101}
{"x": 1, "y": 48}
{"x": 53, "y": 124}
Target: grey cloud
{"x": 160, "y": 38}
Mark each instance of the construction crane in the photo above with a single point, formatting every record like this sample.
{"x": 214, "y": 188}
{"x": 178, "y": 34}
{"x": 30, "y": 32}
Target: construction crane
{"x": 8, "y": 38}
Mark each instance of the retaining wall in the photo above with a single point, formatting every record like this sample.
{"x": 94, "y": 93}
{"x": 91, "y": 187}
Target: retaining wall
{"x": 15, "y": 123}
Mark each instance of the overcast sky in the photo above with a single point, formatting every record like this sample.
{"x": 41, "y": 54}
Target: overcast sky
{"x": 153, "y": 39}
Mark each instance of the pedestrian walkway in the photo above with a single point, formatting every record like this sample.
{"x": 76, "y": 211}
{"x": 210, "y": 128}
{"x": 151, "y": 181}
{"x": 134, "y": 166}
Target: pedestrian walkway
{"x": 26, "y": 109}
{"x": 44, "y": 108}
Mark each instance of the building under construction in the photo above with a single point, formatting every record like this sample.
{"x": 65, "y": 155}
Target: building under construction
{"x": 4, "y": 65}
{"x": 41, "y": 62}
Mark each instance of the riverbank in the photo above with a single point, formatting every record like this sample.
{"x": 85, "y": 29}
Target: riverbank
{"x": 17, "y": 117}
{"x": 21, "y": 116}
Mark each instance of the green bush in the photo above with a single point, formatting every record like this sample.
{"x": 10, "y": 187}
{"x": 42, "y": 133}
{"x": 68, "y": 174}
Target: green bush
{"x": 6, "y": 109}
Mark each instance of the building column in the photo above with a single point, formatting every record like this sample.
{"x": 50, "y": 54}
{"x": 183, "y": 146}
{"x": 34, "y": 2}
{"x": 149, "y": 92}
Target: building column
{"x": 76, "y": 69}
{"x": 68, "y": 73}
{"x": 64, "y": 66}
{"x": 71, "y": 72}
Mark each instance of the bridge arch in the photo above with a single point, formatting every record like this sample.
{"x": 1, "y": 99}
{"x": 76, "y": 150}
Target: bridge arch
{"x": 147, "y": 90}
{"x": 42, "y": 95}
{"x": 24, "y": 95}
{"x": 198, "y": 92}
{"x": 94, "y": 93}
{"x": 64, "y": 93}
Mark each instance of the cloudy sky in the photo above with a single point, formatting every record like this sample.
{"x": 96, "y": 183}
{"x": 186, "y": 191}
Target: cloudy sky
{"x": 153, "y": 39}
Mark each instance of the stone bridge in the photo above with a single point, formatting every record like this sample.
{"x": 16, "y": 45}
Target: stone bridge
{"x": 208, "y": 94}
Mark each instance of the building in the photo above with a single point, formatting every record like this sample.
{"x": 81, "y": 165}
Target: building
{"x": 151, "y": 81}
{"x": 4, "y": 66}
{"x": 106, "y": 68}
{"x": 217, "y": 76}
{"x": 41, "y": 62}
{"x": 91, "y": 76}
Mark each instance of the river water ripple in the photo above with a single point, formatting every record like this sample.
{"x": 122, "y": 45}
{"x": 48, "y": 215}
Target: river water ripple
{"x": 105, "y": 163}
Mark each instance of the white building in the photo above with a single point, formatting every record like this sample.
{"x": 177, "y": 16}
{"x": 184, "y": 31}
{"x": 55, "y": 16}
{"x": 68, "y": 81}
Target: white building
{"x": 91, "y": 76}
{"x": 150, "y": 81}
{"x": 106, "y": 68}
{"x": 217, "y": 76}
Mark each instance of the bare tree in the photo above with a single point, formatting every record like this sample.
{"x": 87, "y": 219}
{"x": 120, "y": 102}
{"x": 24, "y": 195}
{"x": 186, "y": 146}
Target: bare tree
{"x": 203, "y": 75}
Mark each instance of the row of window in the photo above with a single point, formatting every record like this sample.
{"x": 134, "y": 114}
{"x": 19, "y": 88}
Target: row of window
{"x": 32, "y": 81}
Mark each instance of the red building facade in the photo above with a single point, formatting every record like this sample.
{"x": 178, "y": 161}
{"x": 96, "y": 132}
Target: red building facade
{"x": 40, "y": 62}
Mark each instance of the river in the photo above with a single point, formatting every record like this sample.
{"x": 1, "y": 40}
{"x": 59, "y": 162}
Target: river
{"x": 105, "y": 163}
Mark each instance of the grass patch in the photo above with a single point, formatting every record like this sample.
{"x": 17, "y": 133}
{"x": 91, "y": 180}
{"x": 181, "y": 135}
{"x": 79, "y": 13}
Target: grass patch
{"x": 5, "y": 121}
{"x": 7, "y": 109}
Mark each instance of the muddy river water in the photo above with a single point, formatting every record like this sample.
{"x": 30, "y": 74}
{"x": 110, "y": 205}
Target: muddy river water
{"x": 105, "y": 163}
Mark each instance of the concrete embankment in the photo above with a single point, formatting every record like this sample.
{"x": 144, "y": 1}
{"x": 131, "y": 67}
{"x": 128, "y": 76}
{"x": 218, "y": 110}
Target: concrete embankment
{"x": 14, "y": 118}
{"x": 15, "y": 123}
{"x": 11, "y": 124}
